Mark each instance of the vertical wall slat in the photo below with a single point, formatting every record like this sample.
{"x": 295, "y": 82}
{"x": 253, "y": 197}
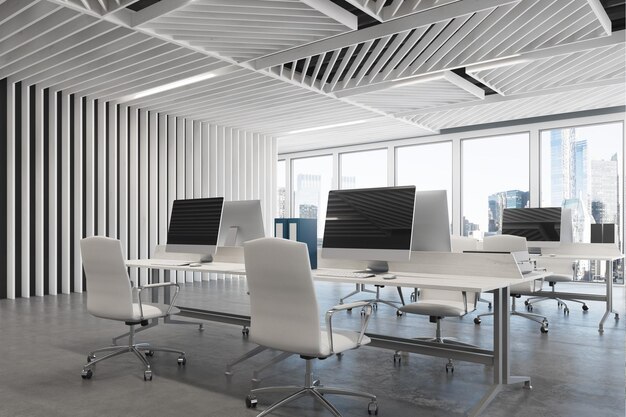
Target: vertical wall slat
{"x": 143, "y": 192}
{"x": 78, "y": 191}
{"x": 197, "y": 171}
{"x": 180, "y": 170}
{"x": 25, "y": 192}
{"x": 153, "y": 179}
{"x": 65, "y": 193}
{"x": 123, "y": 178}
{"x": 11, "y": 191}
{"x": 162, "y": 183}
{"x": 39, "y": 192}
{"x": 112, "y": 191}
{"x": 206, "y": 148}
{"x": 52, "y": 193}
{"x": 90, "y": 165}
{"x": 101, "y": 209}
{"x": 4, "y": 145}
{"x": 133, "y": 182}
{"x": 249, "y": 171}
{"x": 213, "y": 164}
{"x": 189, "y": 151}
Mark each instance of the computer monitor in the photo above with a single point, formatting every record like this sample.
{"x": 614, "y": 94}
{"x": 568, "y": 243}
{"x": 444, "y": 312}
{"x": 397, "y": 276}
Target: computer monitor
{"x": 431, "y": 225}
{"x": 241, "y": 221}
{"x": 194, "y": 227}
{"x": 371, "y": 224}
{"x": 541, "y": 226}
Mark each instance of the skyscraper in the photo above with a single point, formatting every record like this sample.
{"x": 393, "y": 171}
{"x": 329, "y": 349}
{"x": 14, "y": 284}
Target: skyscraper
{"x": 308, "y": 194}
{"x": 604, "y": 190}
{"x": 501, "y": 200}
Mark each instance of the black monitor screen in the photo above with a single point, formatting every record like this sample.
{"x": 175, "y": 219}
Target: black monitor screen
{"x": 370, "y": 218}
{"x": 195, "y": 221}
{"x": 537, "y": 224}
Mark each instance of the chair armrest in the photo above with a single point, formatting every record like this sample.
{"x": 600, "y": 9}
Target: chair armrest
{"x": 367, "y": 306}
{"x": 158, "y": 285}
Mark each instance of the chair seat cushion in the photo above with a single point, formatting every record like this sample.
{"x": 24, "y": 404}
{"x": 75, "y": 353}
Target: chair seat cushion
{"x": 342, "y": 340}
{"x": 151, "y": 311}
{"x": 440, "y": 308}
{"x": 559, "y": 278}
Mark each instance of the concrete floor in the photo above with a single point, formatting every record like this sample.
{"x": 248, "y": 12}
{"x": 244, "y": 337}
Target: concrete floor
{"x": 44, "y": 341}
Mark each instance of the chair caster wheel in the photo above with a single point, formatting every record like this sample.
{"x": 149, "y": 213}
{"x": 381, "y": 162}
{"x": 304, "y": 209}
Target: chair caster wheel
{"x": 200, "y": 327}
{"x": 529, "y": 307}
{"x": 348, "y": 310}
{"x": 397, "y": 358}
{"x": 544, "y": 329}
{"x": 398, "y": 313}
{"x": 476, "y": 320}
{"x": 182, "y": 360}
{"x": 245, "y": 332}
{"x": 251, "y": 401}
{"x": 147, "y": 376}
{"x": 566, "y": 311}
{"x": 375, "y": 306}
{"x": 149, "y": 353}
{"x": 86, "y": 374}
{"x": 585, "y": 307}
{"x": 449, "y": 368}
{"x": 90, "y": 358}
{"x": 526, "y": 303}
{"x": 372, "y": 408}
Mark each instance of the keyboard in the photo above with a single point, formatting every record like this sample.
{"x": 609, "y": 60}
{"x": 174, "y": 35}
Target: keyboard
{"x": 346, "y": 274}
{"x": 169, "y": 262}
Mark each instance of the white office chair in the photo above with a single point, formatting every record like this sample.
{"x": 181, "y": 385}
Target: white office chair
{"x": 285, "y": 316}
{"x": 564, "y": 272}
{"x": 438, "y": 304}
{"x": 110, "y": 296}
{"x": 518, "y": 246}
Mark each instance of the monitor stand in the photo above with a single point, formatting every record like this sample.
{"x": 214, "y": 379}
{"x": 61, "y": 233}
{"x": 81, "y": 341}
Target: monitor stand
{"x": 377, "y": 266}
{"x": 206, "y": 258}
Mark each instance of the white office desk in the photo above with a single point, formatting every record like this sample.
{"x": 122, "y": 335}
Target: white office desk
{"x": 606, "y": 252}
{"x": 492, "y": 281}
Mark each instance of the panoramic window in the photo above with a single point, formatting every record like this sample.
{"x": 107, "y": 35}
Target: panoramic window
{"x": 363, "y": 169}
{"x": 428, "y": 167}
{"x": 281, "y": 189}
{"x": 495, "y": 176}
{"x": 581, "y": 169}
{"x": 311, "y": 182}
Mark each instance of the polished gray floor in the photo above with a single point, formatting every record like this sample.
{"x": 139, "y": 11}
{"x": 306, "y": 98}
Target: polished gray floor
{"x": 44, "y": 341}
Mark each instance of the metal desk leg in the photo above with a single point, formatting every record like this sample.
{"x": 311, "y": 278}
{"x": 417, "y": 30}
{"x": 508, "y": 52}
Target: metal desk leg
{"x": 166, "y": 300}
{"x": 501, "y": 352}
{"x": 609, "y": 297}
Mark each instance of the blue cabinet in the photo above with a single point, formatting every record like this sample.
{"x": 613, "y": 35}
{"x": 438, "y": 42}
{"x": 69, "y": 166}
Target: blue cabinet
{"x": 302, "y": 230}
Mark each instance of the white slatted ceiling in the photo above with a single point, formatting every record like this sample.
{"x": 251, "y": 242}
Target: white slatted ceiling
{"x": 488, "y": 34}
{"x": 433, "y": 93}
{"x": 576, "y": 68}
{"x": 564, "y": 102}
{"x": 100, "y": 54}
{"x": 244, "y": 29}
{"x": 254, "y": 102}
{"x": 382, "y": 10}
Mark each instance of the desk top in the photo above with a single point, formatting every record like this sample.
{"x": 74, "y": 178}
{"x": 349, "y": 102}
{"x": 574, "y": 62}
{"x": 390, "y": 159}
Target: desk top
{"x": 587, "y": 251}
{"x": 403, "y": 279}
{"x": 217, "y": 267}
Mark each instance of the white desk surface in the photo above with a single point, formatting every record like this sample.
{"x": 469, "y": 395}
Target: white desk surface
{"x": 403, "y": 279}
{"x": 217, "y": 267}
{"x": 434, "y": 281}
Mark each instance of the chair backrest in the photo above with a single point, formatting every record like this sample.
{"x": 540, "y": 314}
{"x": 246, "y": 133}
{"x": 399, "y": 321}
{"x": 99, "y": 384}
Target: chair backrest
{"x": 505, "y": 243}
{"x": 283, "y": 305}
{"x": 518, "y": 245}
{"x": 462, "y": 243}
{"x": 109, "y": 291}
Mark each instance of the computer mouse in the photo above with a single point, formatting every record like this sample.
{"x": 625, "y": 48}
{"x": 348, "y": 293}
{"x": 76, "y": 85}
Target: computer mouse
{"x": 195, "y": 264}
{"x": 389, "y": 276}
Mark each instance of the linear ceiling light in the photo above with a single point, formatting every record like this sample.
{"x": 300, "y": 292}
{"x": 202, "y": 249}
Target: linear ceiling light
{"x": 171, "y": 86}
{"x": 496, "y": 63}
{"x": 313, "y": 129}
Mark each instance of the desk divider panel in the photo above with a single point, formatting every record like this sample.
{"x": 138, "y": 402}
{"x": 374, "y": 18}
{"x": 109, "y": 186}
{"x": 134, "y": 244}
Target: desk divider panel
{"x": 501, "y": 265}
